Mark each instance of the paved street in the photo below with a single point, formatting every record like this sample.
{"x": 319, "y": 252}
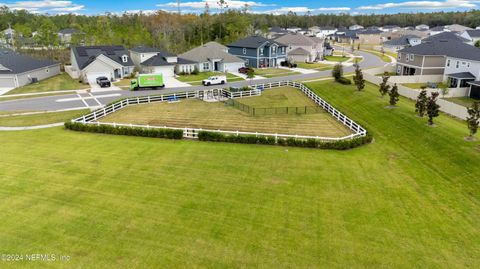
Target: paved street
{"x": 96, "y": 99}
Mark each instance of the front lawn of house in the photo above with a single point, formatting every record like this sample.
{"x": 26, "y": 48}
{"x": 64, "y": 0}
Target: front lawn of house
{"x": 336, "y": 58}
{"x": 274, "y": 72}
{"x": 316, "y": 66}
{"x": 62, "y": 82}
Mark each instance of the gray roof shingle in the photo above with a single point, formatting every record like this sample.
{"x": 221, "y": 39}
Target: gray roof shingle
{"x": 14, "y": 63}
{"x": 211, "y": 50}
{"x": 445, "y": 36}
{"x": 253, "y": 42}
{"x": 449, "y": 48}
{"x": 401, "y": 41}
{"x": 85, "y": 55}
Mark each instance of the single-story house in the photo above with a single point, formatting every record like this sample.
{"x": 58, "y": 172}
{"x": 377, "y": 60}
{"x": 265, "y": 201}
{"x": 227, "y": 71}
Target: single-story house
{"x": 370, "y": 36}
{"x": 402, "y": 42}
{"x": 66, "y": 35}
{"x": 18, "y": 70}
{"x": 302, "y": 48}
{"x": 326, "y": 31}
{"x": 257, "y": 51}
{"x": 90, "y": 62}
{"x": 422, "y": 27}
{"x": 154, "y": 61}
{"x": 212, "y": 57}
{"x": 355, "y": 27}
{"x": 438, "y": 29}
{"x": 344, "y": 36}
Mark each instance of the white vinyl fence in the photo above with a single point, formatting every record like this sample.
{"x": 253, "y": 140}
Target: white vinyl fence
{"x": 93, "y": 117}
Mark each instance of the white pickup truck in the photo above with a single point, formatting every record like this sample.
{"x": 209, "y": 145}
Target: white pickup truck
{"x": 214, "y": 80}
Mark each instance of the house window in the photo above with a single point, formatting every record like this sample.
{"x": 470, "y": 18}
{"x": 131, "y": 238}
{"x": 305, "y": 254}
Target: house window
{"x": 468, "y": 64}
{"x": 399, "y": 56}
{"x": 458, "y": 64}
{"x": 399, "y": 69}
{"x": 448, "y": 63}
{"x": 124, "y": 58}
{"x": 244, "y": 51}
{"x": 283, "y": 49}
{"x": 412, "y": 57}
{"x": 206, "y": 66}
{"x": 247, "y": 62}
{"x": 274, "y": 49}
{"x": 261, "y": 51}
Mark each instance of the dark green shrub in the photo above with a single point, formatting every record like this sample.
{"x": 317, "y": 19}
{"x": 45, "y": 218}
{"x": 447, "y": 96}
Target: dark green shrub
{"x": 123, "y": 130}
{"x": 292, "y": 142}
{"x": 344, "y": 81}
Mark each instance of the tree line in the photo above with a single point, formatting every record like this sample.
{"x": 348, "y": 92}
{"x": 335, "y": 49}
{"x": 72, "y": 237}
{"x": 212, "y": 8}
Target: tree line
{"x": 178, "y": 33}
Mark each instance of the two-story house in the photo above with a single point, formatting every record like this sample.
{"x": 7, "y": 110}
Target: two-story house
{"x": 458, "y": 62}
{"x": 259, "y": 52}
{"x": 302, "y": 48}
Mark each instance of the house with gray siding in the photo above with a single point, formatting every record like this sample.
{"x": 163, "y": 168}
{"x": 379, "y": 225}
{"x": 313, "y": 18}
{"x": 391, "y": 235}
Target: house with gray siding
{"x": 259, "y": 52}
{"x": 18, "y": 70}
{"x": 210, "y": 57}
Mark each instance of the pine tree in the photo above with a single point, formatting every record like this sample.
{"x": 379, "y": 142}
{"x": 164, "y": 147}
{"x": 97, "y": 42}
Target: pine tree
{"x": 384, "y": 87}
{"x": 358, "y": 78}
{"x": 433, "y": 109}
{"x": 337, "y": 71}
{"x": 473, "y": 119}
{"x": 421, "y": 104}
{"x": 394, "y": 96}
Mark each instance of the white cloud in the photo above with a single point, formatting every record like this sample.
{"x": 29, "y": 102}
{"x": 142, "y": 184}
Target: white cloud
{"x": 45, "y": 6}
{"x": 213, "y": 4}
{"x": 423, "y": 5}
{"x": 284, "y": 10}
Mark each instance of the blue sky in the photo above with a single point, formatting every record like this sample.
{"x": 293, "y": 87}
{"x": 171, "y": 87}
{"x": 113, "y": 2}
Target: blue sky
{"x": 264, "y": 6}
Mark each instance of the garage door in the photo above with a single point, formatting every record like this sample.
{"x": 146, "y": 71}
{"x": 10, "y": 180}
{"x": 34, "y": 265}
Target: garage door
{"x": 92, "y": 77}
{"x": 233, "y": 67}
{"x": 166, "y": 71}
{"x": 7, "y": 82}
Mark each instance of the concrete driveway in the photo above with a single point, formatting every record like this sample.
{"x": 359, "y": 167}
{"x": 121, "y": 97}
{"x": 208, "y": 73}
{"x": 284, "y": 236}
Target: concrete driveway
{"x": 5, "y": 90}
{"x": 171, "y": 82}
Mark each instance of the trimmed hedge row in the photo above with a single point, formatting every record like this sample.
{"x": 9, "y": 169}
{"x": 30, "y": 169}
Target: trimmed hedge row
{"x": 291, "y": 142}
{"x": 122, "y": 130}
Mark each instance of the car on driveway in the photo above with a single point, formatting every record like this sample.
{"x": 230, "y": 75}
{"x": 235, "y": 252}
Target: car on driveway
{"x": 103, "y": 82}
{"x": 244, "y": 70}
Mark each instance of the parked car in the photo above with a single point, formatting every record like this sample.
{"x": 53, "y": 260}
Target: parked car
{"x": 214, "y": 80}
{"x": 244, "y": 70}
{"x": 103, "y": 82}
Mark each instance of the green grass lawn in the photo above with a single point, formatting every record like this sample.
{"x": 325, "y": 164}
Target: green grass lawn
{"x": 218, "y": 116}
{"x": 382, "y": 56}
{"x": 124, "y": 83}
{"x": 274, "y": 72}
{"x": 411, "y": 199}
{"x": 463, "y": 101}
{"x": 40, "y": 119}
{"x": 336, "y": 58}
{"x": 419, "y": 85}
{"x": 316, "y": 66}
{"x": 60, "y": 82}
{"x": 197, "y": 79}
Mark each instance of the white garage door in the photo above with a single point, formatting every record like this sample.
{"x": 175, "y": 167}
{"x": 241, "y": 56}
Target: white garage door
{"x": 233, "y": 67}
{"x": 92, "y": 77}
{"x": 7, "y": 82}
{"x": 166, "y": 71}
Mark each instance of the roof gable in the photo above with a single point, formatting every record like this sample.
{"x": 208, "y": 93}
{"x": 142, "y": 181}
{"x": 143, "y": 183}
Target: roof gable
{"x": 87, "y": 54}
